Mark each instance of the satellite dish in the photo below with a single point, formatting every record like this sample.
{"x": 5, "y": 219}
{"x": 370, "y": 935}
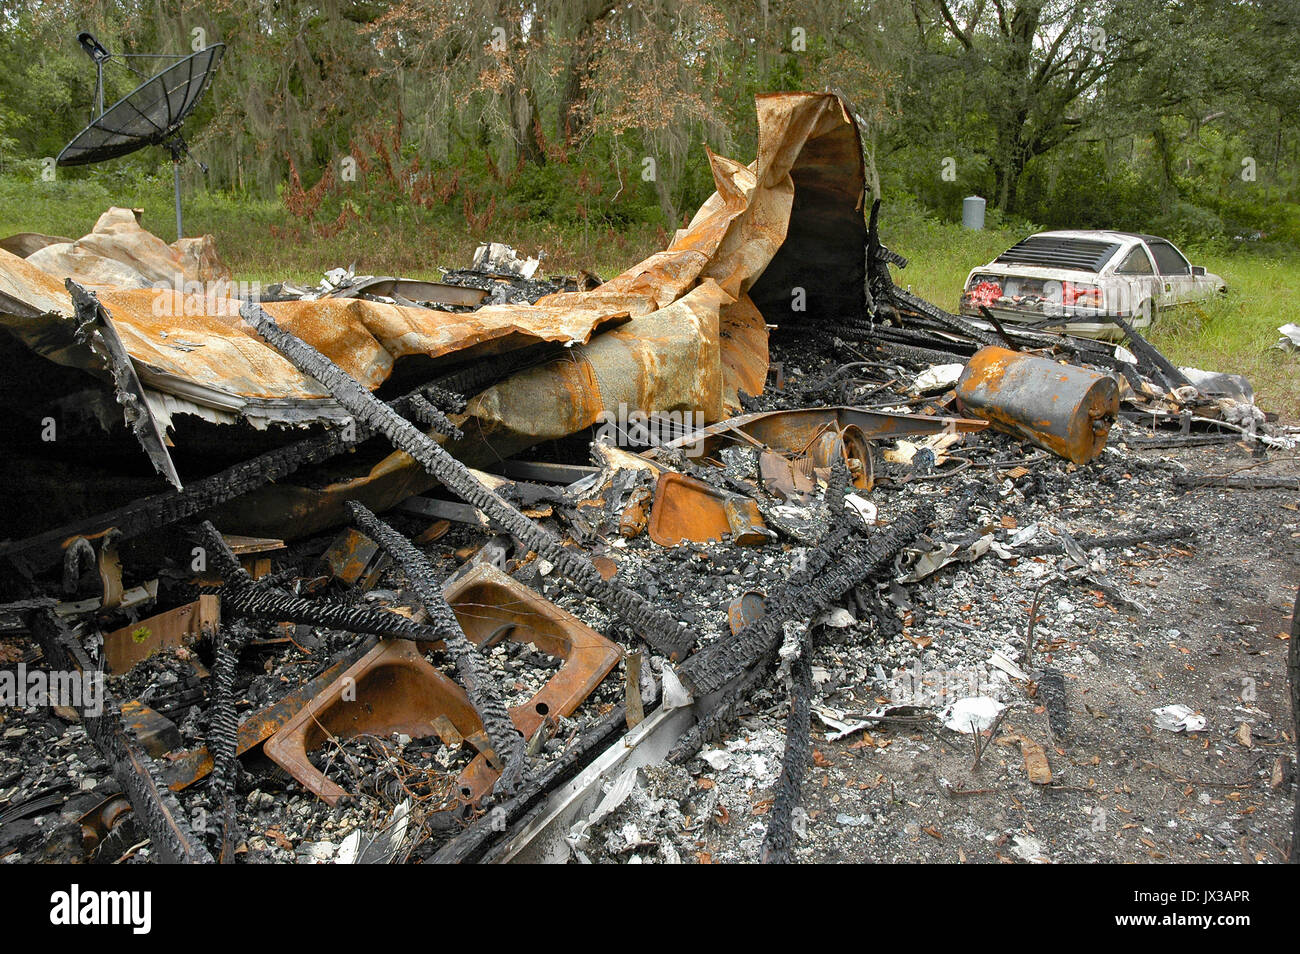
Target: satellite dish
{"x": 150, "y": 115}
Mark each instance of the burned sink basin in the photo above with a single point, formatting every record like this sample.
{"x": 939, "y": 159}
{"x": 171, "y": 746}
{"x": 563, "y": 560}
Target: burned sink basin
{"x": 394, "y": 689}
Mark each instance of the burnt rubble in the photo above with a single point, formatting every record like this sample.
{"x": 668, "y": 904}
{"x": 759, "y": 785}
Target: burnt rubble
{"x": 889, "y": 533}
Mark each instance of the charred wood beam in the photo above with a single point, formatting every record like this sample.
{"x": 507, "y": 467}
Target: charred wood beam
{"x": 425, "y": 413}
{"x": 156, "y": 808}
{"x": 658, "y": 629}
{"x": 249, "y": 599}
{"x": 805, "y": 595}
{"x": 795, "y": 762}
{"x": 160, "y": 510}
{"x": 470, "y": 665}
{"x": 1148, "y": 354}
{"x": 906, "y": 301}
{"x": 470, "y": 844}
{"x": 712, "y": 724}
{"x": 157, "y": 811}
{"x": 223, "y": 732}
{"x": 920, "y": 357}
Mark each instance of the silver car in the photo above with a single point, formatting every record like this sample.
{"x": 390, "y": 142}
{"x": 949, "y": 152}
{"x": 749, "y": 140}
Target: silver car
{"x": 1071, "y": 279}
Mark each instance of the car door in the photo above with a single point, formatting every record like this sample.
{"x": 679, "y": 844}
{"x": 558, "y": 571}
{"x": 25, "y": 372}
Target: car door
{"x": 1137, "y": 283}
{"x": 1175, "y": 272}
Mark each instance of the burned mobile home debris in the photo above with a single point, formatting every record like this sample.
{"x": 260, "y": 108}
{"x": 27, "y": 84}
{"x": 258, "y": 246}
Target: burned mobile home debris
{"x": 358, "y": 584}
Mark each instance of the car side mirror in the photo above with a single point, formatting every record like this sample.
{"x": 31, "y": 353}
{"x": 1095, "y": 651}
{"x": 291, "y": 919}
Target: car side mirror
{"x": 1198, "y": 271}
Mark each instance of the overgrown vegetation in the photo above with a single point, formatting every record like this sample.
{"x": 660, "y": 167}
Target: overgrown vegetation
{"x": 397, "y": 135}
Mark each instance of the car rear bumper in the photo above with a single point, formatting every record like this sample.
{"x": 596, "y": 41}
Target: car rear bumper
{"x": 1086, "y": 323}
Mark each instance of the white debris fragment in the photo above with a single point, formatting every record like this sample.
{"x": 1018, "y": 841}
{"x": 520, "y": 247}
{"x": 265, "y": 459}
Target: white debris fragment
{"x": 500, "y": 259}
{"x": 675, "y": 694}
{"x": 1007, "y": 665}
{"x": 863, "y": 508}
{"x": 719, "y": 759}
{"x": 971, "y": 714}
{"x": 1029, "y": 849}
{"x": 937, "y": 377}
{"x": 1290, "y": 340}
{"x": 1178, "y": 718}
{"x": 836, "y": 617}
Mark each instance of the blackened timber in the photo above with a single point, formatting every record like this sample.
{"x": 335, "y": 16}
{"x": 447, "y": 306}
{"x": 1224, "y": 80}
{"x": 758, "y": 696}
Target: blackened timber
{"x": 1148, "y": 353}
{"x": 470, "y": 665}
{"x": 223, "y": 731}
{"x": 712, "y": 724}
{"x": 469, "y": 844}
{"x": 658, "y": 629}
{"x": 795, "y": 762}
{"x": 163, "y": 509}
{"x": 156, "y": 809}
{"x": 906, "y": 301}
{"x": 806, "y": 594}
{"x": 430, "y": 416}
{"x": 247, "y": 598}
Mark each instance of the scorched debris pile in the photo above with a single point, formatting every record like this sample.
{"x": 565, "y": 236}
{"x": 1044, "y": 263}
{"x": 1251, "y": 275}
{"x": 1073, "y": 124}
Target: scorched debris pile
{"x": 426, "y": 570}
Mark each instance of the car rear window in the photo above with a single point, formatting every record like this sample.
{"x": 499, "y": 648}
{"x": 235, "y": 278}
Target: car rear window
{"x": 1052, "y": 251}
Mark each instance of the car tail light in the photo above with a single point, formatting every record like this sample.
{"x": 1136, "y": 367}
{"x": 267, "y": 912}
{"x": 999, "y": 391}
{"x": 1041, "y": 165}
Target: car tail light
{"x": 1075, "y": 294}
{"x": 982, "y": 290}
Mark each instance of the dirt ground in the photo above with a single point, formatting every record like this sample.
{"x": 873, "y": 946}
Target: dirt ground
{"x": 1205, "y": 626}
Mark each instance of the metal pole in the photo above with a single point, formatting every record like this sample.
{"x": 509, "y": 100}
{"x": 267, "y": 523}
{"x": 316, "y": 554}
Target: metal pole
{"x": 176, "y": 180}
{"x": 99, "y": 86}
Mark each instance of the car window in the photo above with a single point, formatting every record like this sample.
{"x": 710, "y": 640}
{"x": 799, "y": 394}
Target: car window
{"x": 1169, "y": 260}
{"x": 1137, "y": 263}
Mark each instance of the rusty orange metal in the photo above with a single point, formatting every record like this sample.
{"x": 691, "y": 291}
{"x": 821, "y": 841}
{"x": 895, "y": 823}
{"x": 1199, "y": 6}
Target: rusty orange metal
{"x": 793, "y": 432}
{"x": 393, "y": 688}
{"x": 176, "y": 628}
{"x": 685, "y": 330}
{"x": 183, "y": 770}
{"x": 689, "y": 510}
{"x": 1062, "y": 408}
{"x": 355, "y": 559}
{"x": 485, "y": 599}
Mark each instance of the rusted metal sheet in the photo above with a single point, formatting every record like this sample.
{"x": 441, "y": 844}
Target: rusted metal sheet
{"x": 181, "y": 771}
{"x": 682, "y": 331}
{"x": 486, "y": 599}
{"x": 689, "y": 510}
{"x": 176, "y": 628}
{"x": 795, "y": 477}
{"x": 793, "y": 432}
{"x": 356, "y": 560}
{"x": 1062, "y": 408}
{"x": 394, "y": 689}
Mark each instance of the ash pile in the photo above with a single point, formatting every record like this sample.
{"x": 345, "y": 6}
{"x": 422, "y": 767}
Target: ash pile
{"x": 501, "y": 568}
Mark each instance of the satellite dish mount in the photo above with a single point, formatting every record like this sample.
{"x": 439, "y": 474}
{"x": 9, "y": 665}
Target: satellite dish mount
{"x": 150, "y": 115}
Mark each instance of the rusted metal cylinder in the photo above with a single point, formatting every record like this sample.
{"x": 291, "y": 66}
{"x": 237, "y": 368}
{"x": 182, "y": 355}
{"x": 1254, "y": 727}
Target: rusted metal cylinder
{"x": 1065, "y": 409}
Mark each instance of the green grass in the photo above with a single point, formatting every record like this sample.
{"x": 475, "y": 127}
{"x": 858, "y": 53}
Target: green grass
{"x": 1234, "y": 333}
{"x": 261, "y": 242}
